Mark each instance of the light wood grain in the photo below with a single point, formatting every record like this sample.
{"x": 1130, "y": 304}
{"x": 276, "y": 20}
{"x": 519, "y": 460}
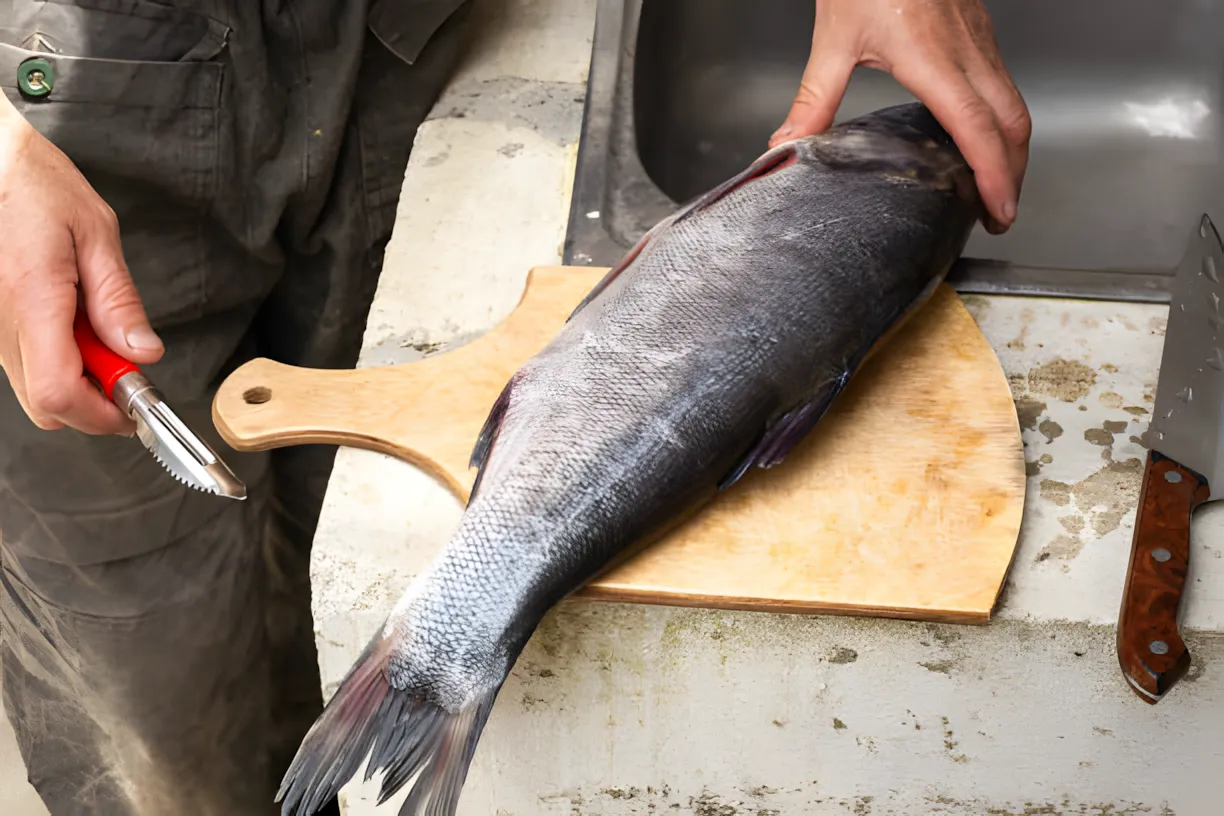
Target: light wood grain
{"x": 905, "y": 502}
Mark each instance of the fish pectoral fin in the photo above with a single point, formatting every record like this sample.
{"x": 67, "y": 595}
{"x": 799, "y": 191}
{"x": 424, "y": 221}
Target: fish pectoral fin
{"x": 785, "y": 434}
{"x": 489, "y": 431}
{"x": 401, "y": 732}
{"x": 769, "y": 162}
{"x": 492, "y": 424}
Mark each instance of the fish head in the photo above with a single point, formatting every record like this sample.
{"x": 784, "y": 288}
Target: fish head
{"x": 911, "y": 121}
{"x": 900, "y": 142}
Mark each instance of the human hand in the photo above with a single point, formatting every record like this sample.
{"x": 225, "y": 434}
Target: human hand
{"x": 944, "y": 53}
{"x": 56, "y": 233}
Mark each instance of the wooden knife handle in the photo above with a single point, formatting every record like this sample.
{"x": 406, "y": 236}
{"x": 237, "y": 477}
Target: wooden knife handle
{"x": 1150, "y": 648}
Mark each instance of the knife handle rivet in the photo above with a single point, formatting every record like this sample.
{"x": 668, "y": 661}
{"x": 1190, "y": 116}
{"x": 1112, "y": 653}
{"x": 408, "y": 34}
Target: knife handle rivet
{"x": 1158, "y": 647}
{"x": 1161, "y": 554}
{"x": 1172, "y": 476}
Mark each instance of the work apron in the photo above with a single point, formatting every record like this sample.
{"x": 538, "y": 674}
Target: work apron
{"x": 156, "y": 642}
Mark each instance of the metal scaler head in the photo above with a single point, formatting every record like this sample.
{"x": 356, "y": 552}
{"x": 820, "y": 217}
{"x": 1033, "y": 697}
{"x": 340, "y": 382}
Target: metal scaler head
{"x": 179, "y": 450}
{"x": 187, "y": 457}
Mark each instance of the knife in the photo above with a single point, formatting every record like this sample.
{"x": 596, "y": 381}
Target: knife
{"x": 1184, "y": 469}
{"x": 187, "y": 457}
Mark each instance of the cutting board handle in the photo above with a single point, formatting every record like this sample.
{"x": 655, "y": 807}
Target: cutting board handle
{"x": 265, "y": 404}
{"x": 427, "y": 412}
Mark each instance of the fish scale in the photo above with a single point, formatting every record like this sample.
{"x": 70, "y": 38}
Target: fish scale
{"x": 714, "y": 347}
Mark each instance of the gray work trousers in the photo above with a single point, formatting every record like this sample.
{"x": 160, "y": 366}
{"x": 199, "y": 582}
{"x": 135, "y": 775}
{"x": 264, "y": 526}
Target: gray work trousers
{"x": 156, "y": 642}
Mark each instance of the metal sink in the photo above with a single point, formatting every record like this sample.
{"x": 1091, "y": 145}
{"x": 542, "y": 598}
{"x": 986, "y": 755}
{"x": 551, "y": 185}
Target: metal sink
{"x": 1127, "y": 100}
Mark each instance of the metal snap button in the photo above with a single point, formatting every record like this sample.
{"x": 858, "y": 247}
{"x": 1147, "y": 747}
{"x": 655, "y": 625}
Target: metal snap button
{"x": 35, "y": 77}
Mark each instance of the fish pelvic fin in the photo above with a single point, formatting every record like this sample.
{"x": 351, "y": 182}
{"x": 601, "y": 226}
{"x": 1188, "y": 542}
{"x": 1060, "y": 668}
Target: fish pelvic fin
{"x": 402, "y": 733}
{"x": 785, "y": 434}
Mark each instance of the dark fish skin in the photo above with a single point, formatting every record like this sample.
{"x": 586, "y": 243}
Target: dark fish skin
{"x": 716, "y": 346}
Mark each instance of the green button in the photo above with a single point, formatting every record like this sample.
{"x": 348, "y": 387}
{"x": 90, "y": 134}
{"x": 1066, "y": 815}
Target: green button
{"x": 35, "y": 77}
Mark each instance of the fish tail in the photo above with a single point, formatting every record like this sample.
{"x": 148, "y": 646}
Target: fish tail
{"x": 401, "y": 732}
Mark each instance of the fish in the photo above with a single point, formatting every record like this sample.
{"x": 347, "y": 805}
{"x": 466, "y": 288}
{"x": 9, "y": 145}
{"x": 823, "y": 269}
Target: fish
{"x": 714, "y": 347}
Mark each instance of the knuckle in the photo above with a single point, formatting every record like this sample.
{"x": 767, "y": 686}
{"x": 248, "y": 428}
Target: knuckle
{"x": 110, "y": 220}
{"x": 115, "y": 292}
{"x": 810, "y": 94}
{"x": 970, "y": 108}
{"x": 49, "y": 398}
{"x": 1017, "y": 124}
{"x": 45, "y": 423}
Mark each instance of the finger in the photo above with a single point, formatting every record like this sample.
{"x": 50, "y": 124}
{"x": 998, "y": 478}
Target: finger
{"x": 10, "y": 359}
{"x": 56, "y": 390}
{"x": 984, "y": 70}
{"x": 16, "y": 379}
{"x": 970, "y": 121}
{"x": 820, "y": 92}
{"x": 1010, "y": 112}
{"x": 111, "y": 300}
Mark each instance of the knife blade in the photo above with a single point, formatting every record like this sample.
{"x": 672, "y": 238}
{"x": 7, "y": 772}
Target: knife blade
{"x": 180, "y": 451}
{"x": 1184, "y": 469}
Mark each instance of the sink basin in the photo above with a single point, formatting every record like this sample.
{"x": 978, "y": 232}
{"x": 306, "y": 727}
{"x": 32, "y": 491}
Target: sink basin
{"x": 1125, "y": 95}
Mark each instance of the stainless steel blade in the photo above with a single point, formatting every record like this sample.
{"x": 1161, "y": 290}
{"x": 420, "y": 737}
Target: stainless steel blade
{"x": 1188, "y": 417}
{"x": 184, "y": 455}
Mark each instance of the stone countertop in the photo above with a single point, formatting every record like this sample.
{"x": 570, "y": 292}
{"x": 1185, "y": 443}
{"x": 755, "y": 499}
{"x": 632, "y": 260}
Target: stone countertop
{"x": 1083, "y": 375}
{"x": 486, "y": 198}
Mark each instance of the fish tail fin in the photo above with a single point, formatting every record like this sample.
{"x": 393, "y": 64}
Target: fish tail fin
{"x": 401, "y": 732}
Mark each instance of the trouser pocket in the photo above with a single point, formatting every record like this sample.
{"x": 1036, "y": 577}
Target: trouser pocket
{"x": 127, "y": 30}
{"x": 140, "y": 687}
{"x": 120, "y": 89}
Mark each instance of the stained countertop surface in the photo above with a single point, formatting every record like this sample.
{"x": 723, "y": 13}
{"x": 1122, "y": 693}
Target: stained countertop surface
{"x": 626, "y": 709}
{"x": 618, "y": 709}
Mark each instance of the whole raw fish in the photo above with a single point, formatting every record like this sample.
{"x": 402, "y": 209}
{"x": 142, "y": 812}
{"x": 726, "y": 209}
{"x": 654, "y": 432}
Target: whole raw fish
{"x": 715, "y": 346}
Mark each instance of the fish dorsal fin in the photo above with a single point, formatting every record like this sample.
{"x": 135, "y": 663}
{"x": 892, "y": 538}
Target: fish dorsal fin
{"x": 612, "y": 273}
{"x": 770, "y": 162}
{"x": 785, "y": 434}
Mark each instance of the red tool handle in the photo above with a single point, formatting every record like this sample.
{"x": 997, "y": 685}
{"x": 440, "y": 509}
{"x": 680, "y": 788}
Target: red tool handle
{"x": 101, "y": 363}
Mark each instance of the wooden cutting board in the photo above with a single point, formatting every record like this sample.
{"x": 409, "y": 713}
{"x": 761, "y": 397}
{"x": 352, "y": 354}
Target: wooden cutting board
{"x": 904, "y": 502}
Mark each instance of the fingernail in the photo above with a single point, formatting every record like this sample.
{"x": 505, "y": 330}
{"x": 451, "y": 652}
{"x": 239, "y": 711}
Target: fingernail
{"x": 782, "y": 132}
{"x": 1009, "y": 211}
{"x": 142, "y": 338}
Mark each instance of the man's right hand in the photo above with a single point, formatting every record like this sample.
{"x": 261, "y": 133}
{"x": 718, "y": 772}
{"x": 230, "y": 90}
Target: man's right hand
{"x": 944, "y": 53}
{"x": 56, "y": 233}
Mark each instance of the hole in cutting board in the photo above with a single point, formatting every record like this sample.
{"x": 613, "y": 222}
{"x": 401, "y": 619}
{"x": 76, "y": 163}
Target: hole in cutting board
{"x": 257, "y": 395}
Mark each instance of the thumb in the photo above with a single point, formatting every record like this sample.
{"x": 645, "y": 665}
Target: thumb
{"x": 111, "y": 300}
{"x": 819, "y": 96}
